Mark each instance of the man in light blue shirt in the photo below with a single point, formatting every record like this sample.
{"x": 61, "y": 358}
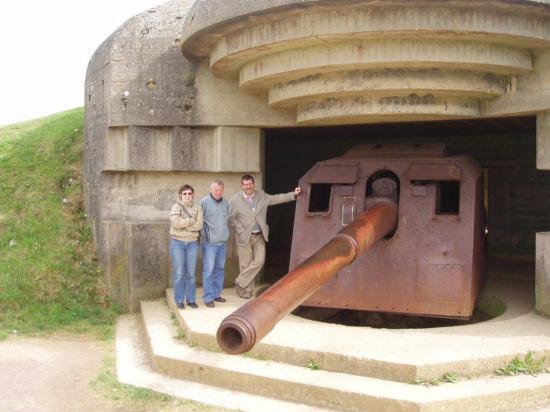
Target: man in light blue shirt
{"x": 214, "y": 236}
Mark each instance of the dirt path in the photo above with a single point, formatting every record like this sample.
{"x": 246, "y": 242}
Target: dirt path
{"x": 51, "y": 374}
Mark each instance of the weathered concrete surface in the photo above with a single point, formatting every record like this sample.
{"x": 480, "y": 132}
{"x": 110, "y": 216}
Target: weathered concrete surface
{"x": 272, "y": 45}
{"x": 528, "y": 94}
{"x": 543, "y": 141}
{"x": 155, "y": 121}
{"x": 382, "y": 54}
{"x": 542, "y": 290}
{"x": 133, "y": 368}
{"x": 471, "y": 351}
{"x": 208, "y": 14}
{"x": 139, "y": 77}
{"x": 386, "y": 82}
{"x": 393, "y": 354}
{"x": 167, "y": 149}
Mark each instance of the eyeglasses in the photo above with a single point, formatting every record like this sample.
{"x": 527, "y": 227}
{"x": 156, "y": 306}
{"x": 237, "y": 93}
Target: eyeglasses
{"x": 186, "y": 193}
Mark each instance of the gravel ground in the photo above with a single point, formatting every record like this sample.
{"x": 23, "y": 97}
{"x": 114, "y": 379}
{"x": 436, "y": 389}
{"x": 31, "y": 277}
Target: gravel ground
{"x": 52, "y": 374}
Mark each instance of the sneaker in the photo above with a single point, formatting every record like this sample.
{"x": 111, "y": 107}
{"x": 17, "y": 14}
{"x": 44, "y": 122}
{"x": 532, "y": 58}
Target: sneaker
{"x": 192, "y": 305}
{"x": 220, "y": 299}
{"x": 181, "y": 305}
{"x": 209, "y": 304}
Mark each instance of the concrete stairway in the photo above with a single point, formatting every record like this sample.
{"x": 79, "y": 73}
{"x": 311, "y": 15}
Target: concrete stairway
{"x": 360, "y": 368}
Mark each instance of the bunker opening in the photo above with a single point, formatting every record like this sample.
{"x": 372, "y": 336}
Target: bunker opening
{"x": 509, "y": 187}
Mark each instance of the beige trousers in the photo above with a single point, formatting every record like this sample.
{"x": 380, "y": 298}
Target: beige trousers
{"x": 251, "y": 260}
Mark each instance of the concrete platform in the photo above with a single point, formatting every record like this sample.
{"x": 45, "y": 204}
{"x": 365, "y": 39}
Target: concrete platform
{"x": 325, "y": 389}
{"x": 360, "y": 368}
{"x": 134, "y": 368}
{"x": 395, "y": 354}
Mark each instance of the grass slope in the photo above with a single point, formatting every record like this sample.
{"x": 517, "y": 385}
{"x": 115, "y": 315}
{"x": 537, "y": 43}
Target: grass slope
{"x": 49, "y": 277}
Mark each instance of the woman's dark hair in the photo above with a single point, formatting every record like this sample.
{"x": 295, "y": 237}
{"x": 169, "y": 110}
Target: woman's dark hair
{"x": 247, "y": 178}
{"x": 185, "y": 187}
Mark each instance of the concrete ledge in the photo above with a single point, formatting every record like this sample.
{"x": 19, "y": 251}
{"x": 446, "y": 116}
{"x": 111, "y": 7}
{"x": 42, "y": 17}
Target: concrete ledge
{"x": 386, "y": 83}
{"x": 267, "y": 378}
{"x": 366, "y": 109}
{"x": 209, "y": 20}
{"x": 330, "y": 389}
{"x": 381, "y": 54}
{"x": 133, "y": 369}
{"x": 396, "y": 354}
{"x": 191, "y": 149}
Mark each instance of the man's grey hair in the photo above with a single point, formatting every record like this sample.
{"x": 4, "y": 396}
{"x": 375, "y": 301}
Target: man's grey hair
{"x": 216, "y": 183}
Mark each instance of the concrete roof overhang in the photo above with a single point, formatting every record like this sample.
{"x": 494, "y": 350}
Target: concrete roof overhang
{"x": 209, "y": 19}
{"x": 351, "y": 61}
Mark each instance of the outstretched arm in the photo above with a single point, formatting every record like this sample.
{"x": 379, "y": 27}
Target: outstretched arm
{"x": 284, "y": 197}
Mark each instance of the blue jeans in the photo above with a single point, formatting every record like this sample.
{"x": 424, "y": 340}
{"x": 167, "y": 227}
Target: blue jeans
{"x": 184, "y": 263}
{"x": 213, "y": 264}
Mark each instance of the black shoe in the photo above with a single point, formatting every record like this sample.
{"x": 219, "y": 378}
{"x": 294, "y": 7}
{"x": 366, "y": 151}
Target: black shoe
{"x": 181, "y": 305}
{"x": 193, "y": 305}
{"x": 209, "y": 304}
{"x": 243, "y": 293}
{"x": 220, "y": 299}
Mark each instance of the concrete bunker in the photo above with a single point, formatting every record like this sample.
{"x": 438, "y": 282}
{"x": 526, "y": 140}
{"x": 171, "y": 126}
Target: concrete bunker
{"x": 259, "y": 75}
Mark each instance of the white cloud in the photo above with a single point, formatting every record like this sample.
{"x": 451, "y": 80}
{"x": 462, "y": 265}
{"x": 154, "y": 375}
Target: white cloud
{"x": 45, "y": 47}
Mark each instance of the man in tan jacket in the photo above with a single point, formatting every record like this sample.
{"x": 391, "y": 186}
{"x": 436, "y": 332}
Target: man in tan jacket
{"x": 247, "y": 216}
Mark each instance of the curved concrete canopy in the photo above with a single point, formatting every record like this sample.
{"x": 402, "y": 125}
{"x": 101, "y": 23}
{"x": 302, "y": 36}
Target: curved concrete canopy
{"x": 208, "y": 19}
{"x": 306, "y": 55}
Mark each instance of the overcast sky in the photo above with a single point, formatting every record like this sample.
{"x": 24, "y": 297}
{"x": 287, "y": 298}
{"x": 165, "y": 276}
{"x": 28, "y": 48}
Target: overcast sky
{"x": 45, "y": 47}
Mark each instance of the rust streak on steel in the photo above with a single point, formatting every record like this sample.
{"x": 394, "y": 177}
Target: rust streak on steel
{"x": 240, "y": 331}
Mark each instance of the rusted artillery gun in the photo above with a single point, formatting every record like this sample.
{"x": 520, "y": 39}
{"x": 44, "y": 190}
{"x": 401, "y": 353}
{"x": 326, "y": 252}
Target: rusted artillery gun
{"x": 418, "y": 247}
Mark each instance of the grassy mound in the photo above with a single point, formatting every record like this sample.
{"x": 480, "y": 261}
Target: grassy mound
{"x": 49, "y": 277}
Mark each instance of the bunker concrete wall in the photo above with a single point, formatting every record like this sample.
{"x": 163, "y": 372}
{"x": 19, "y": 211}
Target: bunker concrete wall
{"x": 156, "y": 118}
{"x": 155, "y": 121}
{"x": 542, "y": 288}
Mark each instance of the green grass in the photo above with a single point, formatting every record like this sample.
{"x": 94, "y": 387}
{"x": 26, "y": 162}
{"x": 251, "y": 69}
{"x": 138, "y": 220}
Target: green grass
{"x": 107, "y": 383}
{"x": 49, "y": 276}
{"x": 139, "y": 399}
{"x": 449, "y": 377}
{"x": 314, "y": 366}
{"x": 526, "y": 366}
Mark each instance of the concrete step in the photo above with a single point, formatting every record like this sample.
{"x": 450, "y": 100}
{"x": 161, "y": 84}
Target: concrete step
{"x": 402, "y": 355}
{"x": 326, "y": 389}
{"x": 134, "y": 368}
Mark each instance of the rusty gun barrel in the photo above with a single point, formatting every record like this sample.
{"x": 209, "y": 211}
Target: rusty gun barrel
{"x": 240, "y": 331}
